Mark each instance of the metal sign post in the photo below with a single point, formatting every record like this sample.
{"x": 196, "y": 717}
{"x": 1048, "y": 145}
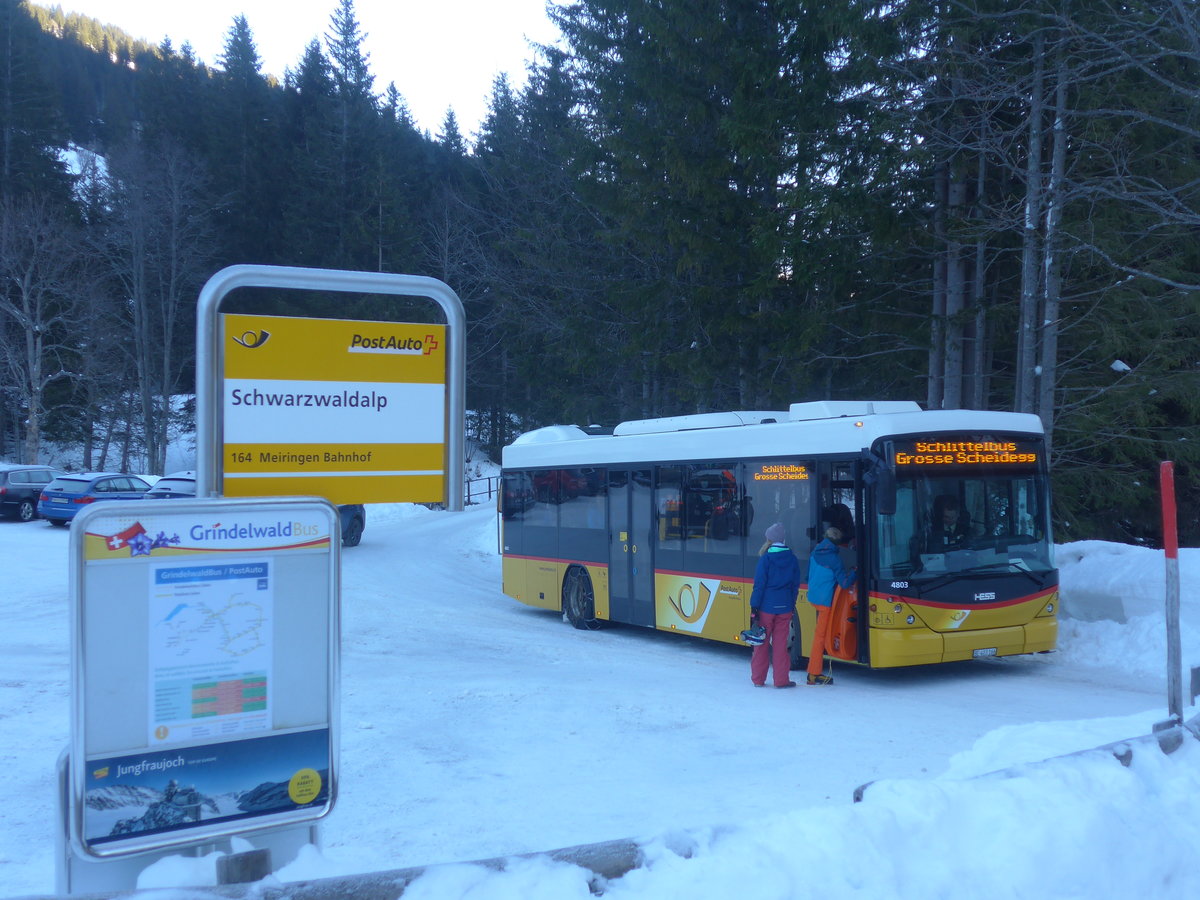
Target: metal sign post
{"x": 352, "y": 411}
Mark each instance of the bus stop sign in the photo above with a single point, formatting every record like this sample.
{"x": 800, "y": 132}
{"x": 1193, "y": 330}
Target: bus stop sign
{"x": 349, "y": 410}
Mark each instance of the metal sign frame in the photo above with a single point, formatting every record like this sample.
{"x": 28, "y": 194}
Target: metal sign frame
{"x": 132, "y": 562}
{"x": 210, "y": 354}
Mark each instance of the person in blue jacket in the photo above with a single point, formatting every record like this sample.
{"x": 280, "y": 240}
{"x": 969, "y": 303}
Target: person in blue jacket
{"x": 772, "y": 603}
{"x": 825, "y": 573}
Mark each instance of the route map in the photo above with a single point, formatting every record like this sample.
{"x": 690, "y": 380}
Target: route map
{"x": 210, "y": 649}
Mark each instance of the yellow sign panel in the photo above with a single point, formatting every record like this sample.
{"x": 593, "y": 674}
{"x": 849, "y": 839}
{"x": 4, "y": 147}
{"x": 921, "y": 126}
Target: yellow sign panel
{"x": 348, "y": 410}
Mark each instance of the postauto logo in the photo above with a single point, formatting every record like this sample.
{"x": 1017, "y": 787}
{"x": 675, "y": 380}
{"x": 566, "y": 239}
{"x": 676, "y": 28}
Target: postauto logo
{"x": 390, "y": 343}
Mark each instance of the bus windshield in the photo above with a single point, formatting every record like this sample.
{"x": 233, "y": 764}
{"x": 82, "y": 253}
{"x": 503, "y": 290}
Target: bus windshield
{"x": 960, "y": 523}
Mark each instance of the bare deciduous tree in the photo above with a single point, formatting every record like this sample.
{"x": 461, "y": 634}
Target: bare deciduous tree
{"x": 46, "y": 283}
{"x": 158, "y": 246}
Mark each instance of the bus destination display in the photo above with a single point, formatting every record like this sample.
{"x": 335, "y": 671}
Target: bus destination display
{"x": 953, "y": 453}
{"x": 780, "y": 472}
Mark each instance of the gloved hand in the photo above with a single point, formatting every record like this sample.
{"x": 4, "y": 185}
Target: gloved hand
{"x": 753, "y": 617}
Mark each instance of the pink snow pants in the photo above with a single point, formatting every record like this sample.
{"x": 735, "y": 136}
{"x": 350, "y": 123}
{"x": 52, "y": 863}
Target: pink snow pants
{"x": 773, "y": 651}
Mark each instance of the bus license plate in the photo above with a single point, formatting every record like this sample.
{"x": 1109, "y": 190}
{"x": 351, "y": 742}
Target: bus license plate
{"x": 984, "y": 651}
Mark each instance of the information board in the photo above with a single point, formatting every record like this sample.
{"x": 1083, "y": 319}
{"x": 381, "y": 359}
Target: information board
{"x": 349, "y": 410}
{"x": 204, "y": 659}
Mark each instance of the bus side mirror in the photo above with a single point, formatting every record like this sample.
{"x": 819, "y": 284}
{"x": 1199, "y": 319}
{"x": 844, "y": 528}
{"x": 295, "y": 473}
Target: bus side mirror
{"x": 885, "y": 491}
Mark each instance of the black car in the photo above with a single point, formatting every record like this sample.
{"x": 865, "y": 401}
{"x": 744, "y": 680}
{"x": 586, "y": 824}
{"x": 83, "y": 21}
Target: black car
{"x": 20, "y": 488}
{"x": 183, "y": 484}
{"x": 177, "y": 484}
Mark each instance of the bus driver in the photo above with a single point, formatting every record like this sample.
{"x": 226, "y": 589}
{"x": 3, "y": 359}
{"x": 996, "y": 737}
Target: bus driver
{"x": 947, "y": 530}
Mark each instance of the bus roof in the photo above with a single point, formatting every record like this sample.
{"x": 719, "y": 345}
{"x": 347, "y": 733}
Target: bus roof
{"x": 806, "y": 429}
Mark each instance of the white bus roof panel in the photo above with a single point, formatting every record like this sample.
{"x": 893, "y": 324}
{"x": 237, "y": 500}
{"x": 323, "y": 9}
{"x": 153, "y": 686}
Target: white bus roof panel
{"x": 567, "y": 446}
{"x": 552, "y": 434}
{"x": 832, "y": 409}
{"x": 701, "y": 420}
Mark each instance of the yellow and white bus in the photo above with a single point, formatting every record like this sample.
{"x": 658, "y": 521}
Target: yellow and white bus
{"x": 659, "y": 523}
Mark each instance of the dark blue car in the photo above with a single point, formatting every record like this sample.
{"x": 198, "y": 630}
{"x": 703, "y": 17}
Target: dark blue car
{"x": 68, "y": 494}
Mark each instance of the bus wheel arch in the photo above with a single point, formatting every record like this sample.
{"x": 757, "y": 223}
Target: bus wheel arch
{"x": 579, "y": 599}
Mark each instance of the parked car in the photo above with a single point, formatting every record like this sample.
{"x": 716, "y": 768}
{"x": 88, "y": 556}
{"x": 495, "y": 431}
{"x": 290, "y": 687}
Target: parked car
{"x": 183, "y": 484}
{"x": 20, "y": 488}
{"x": 67, "y": 494}
{"x": 177, "y": 484}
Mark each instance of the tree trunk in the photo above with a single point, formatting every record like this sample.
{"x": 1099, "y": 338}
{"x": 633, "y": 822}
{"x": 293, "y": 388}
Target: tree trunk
{"x": 952, "y": 385}
{"x": 1027, "y": 328}
{"x": 937, "y": 322}
{"x": 1052, "y": 265}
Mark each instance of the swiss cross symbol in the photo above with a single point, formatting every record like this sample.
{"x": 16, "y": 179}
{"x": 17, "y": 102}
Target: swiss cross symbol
{"x": 430, "y": 344}
{"x": 121, "y": 538}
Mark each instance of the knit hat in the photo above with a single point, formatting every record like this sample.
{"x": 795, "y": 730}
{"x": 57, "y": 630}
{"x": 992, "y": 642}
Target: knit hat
{"x": 776, "y": 533}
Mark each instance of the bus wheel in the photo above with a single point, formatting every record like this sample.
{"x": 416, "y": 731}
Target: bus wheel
{"x": 578, "y": 599}
{"x": 795, "y": 643}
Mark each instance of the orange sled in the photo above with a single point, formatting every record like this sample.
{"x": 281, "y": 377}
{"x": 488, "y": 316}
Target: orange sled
{"x": 842, "y": 640}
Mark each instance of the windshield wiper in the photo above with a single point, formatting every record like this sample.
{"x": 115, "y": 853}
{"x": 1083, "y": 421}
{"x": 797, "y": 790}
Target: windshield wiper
{"x": 934, "y": 583}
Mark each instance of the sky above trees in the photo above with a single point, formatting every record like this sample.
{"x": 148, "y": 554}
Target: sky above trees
{"x": 439, "y": 55}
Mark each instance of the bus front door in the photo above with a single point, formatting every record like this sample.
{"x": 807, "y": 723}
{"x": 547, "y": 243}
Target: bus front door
{"x": 630, "y": 557}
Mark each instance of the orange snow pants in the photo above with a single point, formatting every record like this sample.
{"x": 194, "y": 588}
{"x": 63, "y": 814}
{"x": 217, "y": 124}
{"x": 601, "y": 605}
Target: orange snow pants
{"x": 816, "y": 657}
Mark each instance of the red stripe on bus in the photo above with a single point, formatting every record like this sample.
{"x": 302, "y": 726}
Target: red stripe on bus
{"x": 733, "y": 578}
{"x": 703, "y": 575}
{"x": 551, "y": 559}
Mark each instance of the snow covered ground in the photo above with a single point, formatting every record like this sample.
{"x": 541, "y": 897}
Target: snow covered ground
{"x": 475, "y": 727}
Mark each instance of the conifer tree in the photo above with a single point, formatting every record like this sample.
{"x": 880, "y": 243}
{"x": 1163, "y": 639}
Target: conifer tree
{"x": 356, "y": 137}
{"x": 30, "y": 128}
{"x": 310, "y": 228}
{"x": 245, "y": 151}
{"x": 450, "y": 137}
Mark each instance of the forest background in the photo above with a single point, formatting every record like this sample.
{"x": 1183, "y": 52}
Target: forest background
{"x": 693, "y": 205}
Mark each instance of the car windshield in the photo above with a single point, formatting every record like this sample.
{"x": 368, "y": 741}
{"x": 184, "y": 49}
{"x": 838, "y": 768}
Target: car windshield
{"x": 948, "y": 524}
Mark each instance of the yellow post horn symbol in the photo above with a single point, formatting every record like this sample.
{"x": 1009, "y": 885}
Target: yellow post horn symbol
{"x": 697, "y": 609}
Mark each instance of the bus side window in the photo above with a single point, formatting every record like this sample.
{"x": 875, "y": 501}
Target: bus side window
{"x": 713, "y": 508}
{"x": 582, "y": 498}
{"x": 779, "y": 491}
{"x": 668, "y": 507}
{"x": 516, "y": 496}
